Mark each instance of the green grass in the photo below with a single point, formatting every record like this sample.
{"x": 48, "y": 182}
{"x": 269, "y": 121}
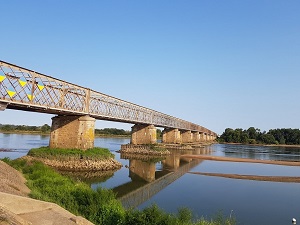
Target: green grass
{"x": 99, "y": 206}
{"x": 56, "y": 153}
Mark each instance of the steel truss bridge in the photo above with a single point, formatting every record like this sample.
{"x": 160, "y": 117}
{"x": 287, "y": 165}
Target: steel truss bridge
{"x": 24, "y": 89}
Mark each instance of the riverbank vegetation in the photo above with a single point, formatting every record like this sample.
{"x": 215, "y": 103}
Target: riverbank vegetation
{"x": 94, "y": 159}
{"x": 112, "y": 132}
{"x": 45, "y": 129}
{"x": 99, "y": 206}
{"x": 9, "y": 128}
{"x": 58, "y": 153}
{"x": 255, "y": 136}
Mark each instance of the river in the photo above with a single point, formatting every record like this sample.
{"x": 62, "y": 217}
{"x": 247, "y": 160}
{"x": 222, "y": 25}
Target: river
{"x": 168, "y": 183}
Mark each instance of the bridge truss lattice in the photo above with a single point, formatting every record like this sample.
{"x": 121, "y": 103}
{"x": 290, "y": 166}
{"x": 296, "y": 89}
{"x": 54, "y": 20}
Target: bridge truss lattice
{"x": 25, "y": 89}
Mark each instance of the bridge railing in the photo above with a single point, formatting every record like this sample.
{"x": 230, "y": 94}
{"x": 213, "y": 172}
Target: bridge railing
{"x": 25, "y": 89}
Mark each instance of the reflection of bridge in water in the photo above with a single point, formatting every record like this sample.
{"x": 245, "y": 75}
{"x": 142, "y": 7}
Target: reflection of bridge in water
{"x": 146, "y": 181}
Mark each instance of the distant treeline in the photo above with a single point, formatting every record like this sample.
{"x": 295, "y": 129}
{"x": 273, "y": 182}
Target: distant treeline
{"x": 24, "y": 128}
{"x": 121, "y": 132}
{"x": 46, "y": 129}
{"x": 255, "y": 136}
{"x": 112, "y": 131}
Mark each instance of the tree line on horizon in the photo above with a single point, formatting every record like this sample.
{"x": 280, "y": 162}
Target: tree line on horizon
{"x": 10, "y": 128}
{"x": 283, "y": 136}
{"x": 46, "y": 129}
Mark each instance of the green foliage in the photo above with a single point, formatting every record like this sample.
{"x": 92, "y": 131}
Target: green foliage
{"x": 255, "y": 136}
{"x": 185, "y": 215}
{"x": 267, "y": 139}
{"x": 112, "y": 131}
{"x": 19, "y": 128}
{"x": 45, "y": 128}
{"x": 158, "y": 133}
{"x": 100, "y": 206}
{"x": 156, "y": 216}
{"x": 57, "y": 153}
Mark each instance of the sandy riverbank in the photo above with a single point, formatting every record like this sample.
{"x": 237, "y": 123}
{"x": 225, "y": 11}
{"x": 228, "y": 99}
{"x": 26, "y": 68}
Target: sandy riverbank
{"x": 283, "y": 179}
{"x": 230, "y": 159}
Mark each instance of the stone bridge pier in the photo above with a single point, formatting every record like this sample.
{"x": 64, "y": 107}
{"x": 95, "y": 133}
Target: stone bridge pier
{"x": 171, "y": 136}
{"x": 143, "y": 134}
{"x": 196, "y": 136}
{"x": 75, "y": 132}
{"x": 187, "y": 136}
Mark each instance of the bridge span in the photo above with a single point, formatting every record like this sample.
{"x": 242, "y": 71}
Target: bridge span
{"x": 77, "y": 108}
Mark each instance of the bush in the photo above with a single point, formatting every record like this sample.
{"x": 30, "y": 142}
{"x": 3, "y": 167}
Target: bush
{"x": 252, "y": 141}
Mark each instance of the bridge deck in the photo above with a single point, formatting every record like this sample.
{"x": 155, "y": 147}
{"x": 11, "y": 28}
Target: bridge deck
{"x": 24, "y": 89}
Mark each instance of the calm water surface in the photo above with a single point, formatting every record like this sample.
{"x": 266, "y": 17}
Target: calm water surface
{"x": 169, "y": 184}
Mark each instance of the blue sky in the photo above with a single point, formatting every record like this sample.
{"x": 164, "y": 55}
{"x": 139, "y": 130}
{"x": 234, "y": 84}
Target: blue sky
{"x": 215, "y": 63}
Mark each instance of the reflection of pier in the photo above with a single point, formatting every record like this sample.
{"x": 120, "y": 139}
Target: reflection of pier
{"x": 143, "y": 172}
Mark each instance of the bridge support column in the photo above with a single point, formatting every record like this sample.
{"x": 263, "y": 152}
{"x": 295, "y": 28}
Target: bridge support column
{"x": 143, "y": 134}
{"x": 204, "y": 137}
{"x": 72, "y": 132}
{"x": 196, "y": 136}
{"x": 187, "y": 136}
{"x": 172, "y": 136}
{"x": 201, "y": 136}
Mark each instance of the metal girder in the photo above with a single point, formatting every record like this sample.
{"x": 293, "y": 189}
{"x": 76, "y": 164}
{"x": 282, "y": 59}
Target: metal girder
{"x": 28, "y": 90}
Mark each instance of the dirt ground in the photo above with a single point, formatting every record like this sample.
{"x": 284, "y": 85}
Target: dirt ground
{"x": 285, "y": 179}
{"x": 229, "y": 159}
{"x": 12, "y": 181}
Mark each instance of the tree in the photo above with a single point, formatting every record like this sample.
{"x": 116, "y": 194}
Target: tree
{"x": 45, "y": 128}
{"x": 158, "y": 133}
{"x": 268, "y": 139}
{"x": 253, "y": 133}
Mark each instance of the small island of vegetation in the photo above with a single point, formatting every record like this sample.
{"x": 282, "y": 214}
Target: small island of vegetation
{"x": 94, "y": 159}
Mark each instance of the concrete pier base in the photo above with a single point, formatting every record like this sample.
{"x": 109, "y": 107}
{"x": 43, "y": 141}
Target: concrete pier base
{"x": 203, "y": 137}
{"x": 72, "y": 132}
{"x": 209, "y": 137}
{"x": 187, "y": 136}
{"x": 143, "y": 134}
{"x": 196, "y": 136}
{"x": 171, "y": 136}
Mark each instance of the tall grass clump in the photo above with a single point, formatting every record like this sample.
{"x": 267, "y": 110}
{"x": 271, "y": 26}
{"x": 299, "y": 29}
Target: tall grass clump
{"x": 99, "y": 206}
{"x": 59, "y": 153}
